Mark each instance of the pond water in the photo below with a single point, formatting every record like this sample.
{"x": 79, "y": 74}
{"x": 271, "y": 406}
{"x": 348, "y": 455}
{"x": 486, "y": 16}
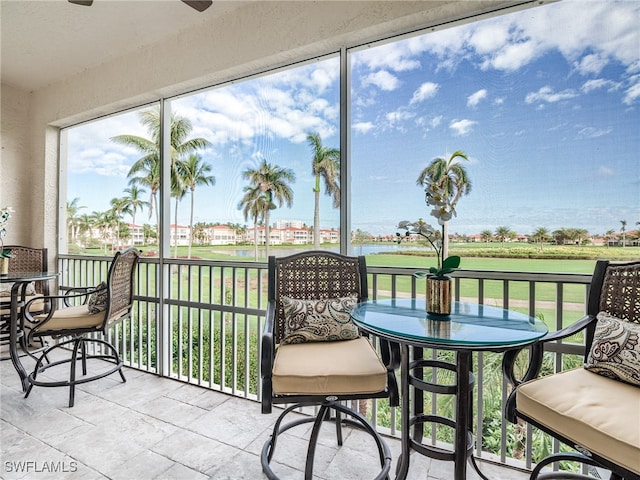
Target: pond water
{"x": 356, "y": 249}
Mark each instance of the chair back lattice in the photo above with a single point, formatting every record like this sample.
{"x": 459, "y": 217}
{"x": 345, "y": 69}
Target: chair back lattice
{"x": 27, "y": 259}
{"x": 620, "y": 293}
{"x": 120, "y": 285}
{"x": 314, "y": 275}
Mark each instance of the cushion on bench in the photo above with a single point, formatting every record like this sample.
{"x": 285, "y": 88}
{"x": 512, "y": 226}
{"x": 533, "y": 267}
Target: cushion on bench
{"x": 578, "y": 404}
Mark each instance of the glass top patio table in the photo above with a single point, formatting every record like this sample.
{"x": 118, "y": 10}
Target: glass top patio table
{"x": 19, "y": 281}
{"x": 470, "y": 325}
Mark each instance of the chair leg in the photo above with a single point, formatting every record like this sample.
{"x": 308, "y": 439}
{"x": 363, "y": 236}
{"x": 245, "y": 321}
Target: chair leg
{"x": 537, "y": 473}
{"x": 351, "y": 418}
{"x": 77, "y": 344}
{"x": 338, "y": 427}
{"x": 313, "y": 440}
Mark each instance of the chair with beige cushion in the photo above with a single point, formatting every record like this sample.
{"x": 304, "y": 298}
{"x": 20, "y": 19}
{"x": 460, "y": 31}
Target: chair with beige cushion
{"x": 314, "y": 355}
{"x": 595, "y": 408}
{"x": 100, "y": 308}
{"x": 25, "y": 259}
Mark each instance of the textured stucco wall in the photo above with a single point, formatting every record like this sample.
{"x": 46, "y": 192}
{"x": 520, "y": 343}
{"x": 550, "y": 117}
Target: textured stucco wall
{"x": 262, "y": 35}
{"x": 15, "y": 169}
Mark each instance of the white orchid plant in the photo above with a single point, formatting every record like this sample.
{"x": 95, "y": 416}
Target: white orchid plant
{"x": 443, "y": 210}
{"x": 5, "y": 215}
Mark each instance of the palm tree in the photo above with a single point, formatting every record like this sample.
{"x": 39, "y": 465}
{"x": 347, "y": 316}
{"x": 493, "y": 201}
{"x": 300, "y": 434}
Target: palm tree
{"x": 72, "y": 219}
{"x": 608, "y": 236}
{"x": 85, "y": 223}
{"x": 326, "y": 165}
{"x": 623, "y": 229}
{"x": 146, "y": 170}
{"x": 119, "y": 207}
{"x": 273, "y": 182}
{"x": 486, "y": 235}
{"x": 253, "y": 205}
{"x": 540, "y": 236}
{"x": 502, "y": 233}
{"x": 134, "y": 202}
{"x": 178, "y": 190}
{"x": 193, "y": 173}
{"x": 451, "y": 178}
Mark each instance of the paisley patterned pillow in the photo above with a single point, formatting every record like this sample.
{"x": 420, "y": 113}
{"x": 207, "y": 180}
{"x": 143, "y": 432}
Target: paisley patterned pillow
{"x": 615, "y": 351}
{"x": 98, "y": 299}
{"x": 318, "y": 320}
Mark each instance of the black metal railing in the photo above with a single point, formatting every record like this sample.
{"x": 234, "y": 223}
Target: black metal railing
{"x": 200, "y": 321}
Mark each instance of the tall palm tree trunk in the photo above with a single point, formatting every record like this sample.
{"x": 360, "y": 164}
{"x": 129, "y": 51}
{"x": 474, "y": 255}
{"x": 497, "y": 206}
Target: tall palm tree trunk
{"x": 316, "y": 214}
{"x": 175, "y": 232}
{"x": 267, "y": 230}
{"x": 190, "y": 227}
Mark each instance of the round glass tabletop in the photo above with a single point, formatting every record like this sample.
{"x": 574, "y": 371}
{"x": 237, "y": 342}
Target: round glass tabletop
{"x": 470, "y": 325}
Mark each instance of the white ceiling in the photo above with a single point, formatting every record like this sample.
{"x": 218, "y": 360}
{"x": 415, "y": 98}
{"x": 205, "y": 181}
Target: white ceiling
{"x": 45, "y": 41}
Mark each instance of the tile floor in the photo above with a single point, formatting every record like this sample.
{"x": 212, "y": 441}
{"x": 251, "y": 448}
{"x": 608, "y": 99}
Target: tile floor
{"x": 158, "y": 428}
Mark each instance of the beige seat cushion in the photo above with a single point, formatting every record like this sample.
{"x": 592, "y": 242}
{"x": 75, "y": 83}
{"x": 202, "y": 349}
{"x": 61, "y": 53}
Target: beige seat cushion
{"x": 73, "y": 317}
{"x": 598, "y": 413}
{"x": 340, "y": 368}
{"x": 5, "y": 307}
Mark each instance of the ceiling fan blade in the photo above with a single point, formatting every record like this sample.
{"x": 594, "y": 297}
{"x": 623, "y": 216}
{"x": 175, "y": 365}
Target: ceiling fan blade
{"x": 86, "y": 3}
{"x": 199, "y": 5}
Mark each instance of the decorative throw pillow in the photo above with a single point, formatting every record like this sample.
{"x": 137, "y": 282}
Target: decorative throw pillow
{"x": 98, "y": 299}
{"x": 5, "y": 289}
{"x": 615, "y": 351}
{"x": 318, "y": 320}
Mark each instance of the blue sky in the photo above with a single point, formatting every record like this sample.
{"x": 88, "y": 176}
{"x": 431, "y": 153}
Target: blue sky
{"x": 545, "y": 102}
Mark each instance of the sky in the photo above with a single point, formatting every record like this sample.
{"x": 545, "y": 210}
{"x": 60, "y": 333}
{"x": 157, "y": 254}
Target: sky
{"x": 544, "y": 102}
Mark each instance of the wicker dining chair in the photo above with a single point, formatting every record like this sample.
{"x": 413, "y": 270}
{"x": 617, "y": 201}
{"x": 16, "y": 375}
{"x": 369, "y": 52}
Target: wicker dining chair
{"x": 101, "y": 307}
{"x": 25, "y": 259}
{"x": 311, "y": 359}
{"x": 595, "y": 408}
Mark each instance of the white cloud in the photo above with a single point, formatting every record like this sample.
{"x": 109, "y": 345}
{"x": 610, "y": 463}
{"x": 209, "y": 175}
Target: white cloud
{"x": 593, "y": 37}
{"x": 632, "y": 93}
{"x": 513, "y": 56}
{"x": 399, "y": 116}
{"x": 598, "y": 83}
{"x": 425, "y": 91}
{"x": 435, "y": 121}
{"x": 477, "y": 97}
{"x": 396, "y": 56}
{"x": 591, "y": 64}
{"x": 462, "y": 127}
{"x": 605, "y": 171}
{"x": 362, "y": 127}
{"x": 546, "y": 94}
{"x": 383, "y": 80}
{"x": 591, "y": 132}
{"x": 429, "y": 123}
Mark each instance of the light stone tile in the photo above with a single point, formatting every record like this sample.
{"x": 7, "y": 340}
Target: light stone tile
{"x": 198, "y": 396}
{"x": 196, "y": 451}
{"x": 23, "y": 456}
{"x": 245, "y": 466}
{"x": 180, "y": 472}
{"x": 147, "y": 464}
{"x": 170, "y": 410}
{"x": 292, "y": 451}
{"x": 114, "y": 425}
{"x": 232, "y": 422}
